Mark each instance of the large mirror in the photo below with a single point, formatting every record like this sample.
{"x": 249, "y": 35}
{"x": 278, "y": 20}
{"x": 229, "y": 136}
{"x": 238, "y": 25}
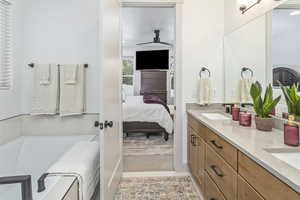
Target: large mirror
{"x": 265, "y": 50}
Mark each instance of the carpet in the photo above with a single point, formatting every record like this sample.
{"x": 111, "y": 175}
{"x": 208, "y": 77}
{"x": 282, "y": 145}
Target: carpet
{"x": 157, "y": 188}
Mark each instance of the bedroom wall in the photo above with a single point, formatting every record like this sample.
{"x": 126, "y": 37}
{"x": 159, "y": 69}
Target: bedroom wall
{"x": 60, "y": 32}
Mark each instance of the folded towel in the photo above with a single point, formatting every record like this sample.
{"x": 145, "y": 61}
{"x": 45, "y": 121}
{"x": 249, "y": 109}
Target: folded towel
{"x": 245, "y": 86}
{"x": 205, "y": 91}
{"x": 44, "y": 72}
{"x": 70, "y": 74}
{"x": 83, "y": 162}
{"x": 72, "y": 96}
{"x": 45, "y": 90}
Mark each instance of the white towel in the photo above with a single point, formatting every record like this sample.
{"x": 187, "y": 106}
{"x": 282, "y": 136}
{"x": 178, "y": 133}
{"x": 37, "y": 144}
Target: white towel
{"x": 44, "y": 72}
{"x": 245, "y": 86}
{"x": 205, "y": 91}
{"x": 45, "y": 94}
{"x": 72, "y": 96}
{"x": 83, "y": 162}
{"x": 70, "y": 74}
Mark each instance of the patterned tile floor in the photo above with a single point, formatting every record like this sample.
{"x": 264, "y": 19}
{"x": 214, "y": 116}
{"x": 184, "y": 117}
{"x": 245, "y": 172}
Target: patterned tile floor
{"x": 157, "y": 188}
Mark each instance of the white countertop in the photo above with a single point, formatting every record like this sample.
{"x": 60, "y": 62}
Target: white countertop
{"x": 253, "y": 143}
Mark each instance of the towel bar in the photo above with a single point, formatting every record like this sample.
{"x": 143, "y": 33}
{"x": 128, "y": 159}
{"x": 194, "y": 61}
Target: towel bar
{"x": 32, "y": 65}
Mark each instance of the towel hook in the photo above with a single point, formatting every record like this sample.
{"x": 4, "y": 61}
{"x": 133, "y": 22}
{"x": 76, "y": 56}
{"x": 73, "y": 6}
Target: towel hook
{"x": 245, "y": 69}
{"x": 204, "y": 69}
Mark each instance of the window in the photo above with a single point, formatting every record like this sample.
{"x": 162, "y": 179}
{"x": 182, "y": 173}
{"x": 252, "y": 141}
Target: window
{"x": 5, "y": 45}
{"x": 128, "y": 72}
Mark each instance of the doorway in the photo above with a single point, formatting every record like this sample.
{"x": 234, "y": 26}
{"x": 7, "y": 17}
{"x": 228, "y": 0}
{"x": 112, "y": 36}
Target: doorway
{"x": 148, "y": 89}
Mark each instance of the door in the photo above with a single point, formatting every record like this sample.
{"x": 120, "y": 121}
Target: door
{"x": 110, "y": 99}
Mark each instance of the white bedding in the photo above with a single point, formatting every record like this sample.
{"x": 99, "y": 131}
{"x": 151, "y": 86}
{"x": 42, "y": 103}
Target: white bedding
{"x": 148, "y": 113}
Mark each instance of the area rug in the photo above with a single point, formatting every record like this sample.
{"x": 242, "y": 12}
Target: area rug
{"x": 157, "y": 188}
{"x": 138, "y": 144}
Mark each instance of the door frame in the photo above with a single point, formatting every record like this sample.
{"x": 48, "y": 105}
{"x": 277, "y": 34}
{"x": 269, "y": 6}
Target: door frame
{"x": 179, "y": 165}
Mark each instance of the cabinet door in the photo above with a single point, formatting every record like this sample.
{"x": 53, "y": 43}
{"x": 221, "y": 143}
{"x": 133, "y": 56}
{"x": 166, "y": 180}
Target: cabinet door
{"x": 200, "y": 159}
{"x": 189, "y": 146}
{"x": 246, "y": 192}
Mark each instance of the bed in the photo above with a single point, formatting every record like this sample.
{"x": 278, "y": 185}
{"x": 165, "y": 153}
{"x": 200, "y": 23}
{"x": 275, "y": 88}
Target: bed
{"x": 146, "y": 115}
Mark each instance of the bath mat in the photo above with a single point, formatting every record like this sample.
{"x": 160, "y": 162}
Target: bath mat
{"x": 157, "y": 188}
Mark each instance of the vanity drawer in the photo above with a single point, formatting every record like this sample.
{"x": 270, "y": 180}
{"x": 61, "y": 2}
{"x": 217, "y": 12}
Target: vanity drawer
{"x": 212, "y": 192}
{"x": 270, "y": 187}
{"x": 222, "y": 173}
{"x": 197, "y": 126}
{"x": 223, "y": 148}
{"x": 246, "y": 192}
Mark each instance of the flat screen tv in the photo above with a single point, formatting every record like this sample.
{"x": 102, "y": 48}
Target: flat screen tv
{"x": 157, "y": 59}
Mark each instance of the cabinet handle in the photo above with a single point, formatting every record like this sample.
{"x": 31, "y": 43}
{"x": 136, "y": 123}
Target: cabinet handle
{"x": 195, "y": 141}
{"x": 216, "y": 145}
{"x": 215, "y": 169}
{"x": 212, "y": 199}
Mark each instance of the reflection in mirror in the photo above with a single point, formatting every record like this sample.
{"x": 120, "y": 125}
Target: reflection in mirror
{"x": 284, "y": 48}
{"x": 268, "y": 46}
{"x": 245, "y": 48}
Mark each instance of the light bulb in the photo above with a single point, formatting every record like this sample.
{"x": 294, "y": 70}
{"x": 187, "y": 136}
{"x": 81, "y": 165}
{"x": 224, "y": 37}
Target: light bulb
{"x": 297, "y": 12}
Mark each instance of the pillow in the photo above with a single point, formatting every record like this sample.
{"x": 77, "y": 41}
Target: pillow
{"x": 135, "y": 99}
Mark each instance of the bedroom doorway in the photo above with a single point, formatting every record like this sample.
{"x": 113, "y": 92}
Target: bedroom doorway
{"x": 148, "y": 89}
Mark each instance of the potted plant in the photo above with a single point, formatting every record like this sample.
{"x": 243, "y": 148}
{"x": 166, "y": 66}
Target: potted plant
{"x": 292, "y": 100}
{"x": 263, "y": 106}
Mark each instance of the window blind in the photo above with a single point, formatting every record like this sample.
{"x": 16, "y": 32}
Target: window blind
{"x": 5, "y": 45}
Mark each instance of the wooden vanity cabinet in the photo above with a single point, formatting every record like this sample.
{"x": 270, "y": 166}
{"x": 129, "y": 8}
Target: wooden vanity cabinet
{"x": 246, "y": 192}
{"x": 224, "y": 173}
{"x": 196, "y": 156}
{"x": 269, "y": 186}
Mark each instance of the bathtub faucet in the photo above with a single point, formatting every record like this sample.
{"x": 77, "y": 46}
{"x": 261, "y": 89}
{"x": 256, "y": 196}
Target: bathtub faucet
{"x": 25, "y": 182}
{"x": 41, "y": 182}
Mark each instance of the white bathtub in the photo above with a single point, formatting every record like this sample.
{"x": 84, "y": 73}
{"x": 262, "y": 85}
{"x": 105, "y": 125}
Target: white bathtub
{"x": 33, "y": 156}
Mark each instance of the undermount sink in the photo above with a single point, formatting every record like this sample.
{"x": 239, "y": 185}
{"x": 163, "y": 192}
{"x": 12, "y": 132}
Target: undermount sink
{"x": 290, "y": 156}
{"x": 215, "y": 116}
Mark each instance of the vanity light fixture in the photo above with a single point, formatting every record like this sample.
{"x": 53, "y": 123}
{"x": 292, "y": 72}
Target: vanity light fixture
{"x": 297, "y": 12}
{"x": 244, "y": 8}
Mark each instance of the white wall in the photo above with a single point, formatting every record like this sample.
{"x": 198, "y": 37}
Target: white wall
{"x": 202, "y": 37}
{"x": 10, "y": 104}
{"x": 245, "y": 47}
{"x": 235, "y": 19}
{"x": 62, "y": 32}
{"x": 202, "y": 46}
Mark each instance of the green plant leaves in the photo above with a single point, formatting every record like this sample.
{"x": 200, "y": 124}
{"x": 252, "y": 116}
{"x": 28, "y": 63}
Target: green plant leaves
{"x": 292, "y": 99}
{"x": 255, "y": 90}
{"x": 263, "y": 107}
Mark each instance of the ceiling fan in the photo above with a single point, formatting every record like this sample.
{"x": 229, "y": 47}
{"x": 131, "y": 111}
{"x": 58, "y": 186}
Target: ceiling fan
{"x": 156, "y": 39}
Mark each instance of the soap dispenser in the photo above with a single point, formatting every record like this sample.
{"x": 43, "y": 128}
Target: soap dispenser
{"x": 291, "y": 132}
